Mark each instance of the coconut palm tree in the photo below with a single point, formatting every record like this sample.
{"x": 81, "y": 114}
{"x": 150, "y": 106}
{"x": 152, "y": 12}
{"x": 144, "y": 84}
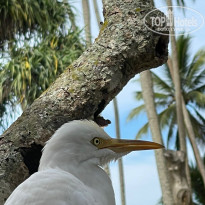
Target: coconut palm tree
{"x": 177, "y": 83}
{"x": 192, "y": 76}
{"x": 86, "y": 17}
{"x": 148, "y": 97}
{"x": 97, "y": 14}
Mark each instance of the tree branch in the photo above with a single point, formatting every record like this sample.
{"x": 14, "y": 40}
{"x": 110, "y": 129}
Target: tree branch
{"x": 123, "y": 48}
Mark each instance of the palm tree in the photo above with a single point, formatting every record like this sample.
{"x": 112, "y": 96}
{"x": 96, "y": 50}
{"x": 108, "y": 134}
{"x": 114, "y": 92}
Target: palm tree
{"x": 192, "y": 76}
{"x": 37, "y": 46}
{"x": 190, "y": 132}
{"x": 97, "y": 14}
{"x": 177, "y": 84}
{"x": 86, "y": 17}
{"x": 178, "y": 97}
{"x": 148, "y": 97}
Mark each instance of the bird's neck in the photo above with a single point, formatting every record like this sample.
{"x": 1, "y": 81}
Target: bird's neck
{"x": 91, "y": 175}
{"x": 98, "y": 181}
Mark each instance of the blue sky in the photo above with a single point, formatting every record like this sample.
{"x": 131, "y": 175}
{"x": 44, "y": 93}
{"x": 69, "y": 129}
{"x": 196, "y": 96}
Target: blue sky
{"x": 141, "y": 178}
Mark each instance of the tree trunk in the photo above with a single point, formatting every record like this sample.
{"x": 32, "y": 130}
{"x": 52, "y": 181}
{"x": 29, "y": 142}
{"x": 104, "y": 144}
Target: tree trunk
{"x": 190, "y": 132}
{"x": 177, "y": 184}
{"x": 86, "y": 17}
{"x": 148, "y": 96}
{"x": 177, "y": 84}
{"x": 97, "y": 13}
{"x": 122, "y": 49}
{"x": 120, "y": 162}
{"x": 71, "y": 16}
{"x": 192, "y": 138}
{"x": 176, "y": 166}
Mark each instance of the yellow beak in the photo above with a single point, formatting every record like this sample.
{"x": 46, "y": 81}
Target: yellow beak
{"x": 122, "y": 145}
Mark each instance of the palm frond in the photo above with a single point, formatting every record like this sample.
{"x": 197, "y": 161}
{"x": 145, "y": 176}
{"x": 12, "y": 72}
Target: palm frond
{"x": 196, "y": 72}
{"x": 135, "y": 112}
{"x": 167, "y": 73}
{"x": 160, "y": 96}
{"x": 200, "y": 117}
{"x": 171, "y": 130}
{"x": 198, "y": 126}
{"x": 143, "y": 130}
{"x": 197, "y": 184}
{"x": 163, "y": 100}
{"x": 160, "y": 84}
{"x": 196, "y": 97}
{"x": 138, "y": 95}
{"x": 200, "y": 88}
{"x": 183, "y": 45}
{"x": 198, "y": 80}
{"x": 180, "y": 3}
{"x": 166, "y": 115}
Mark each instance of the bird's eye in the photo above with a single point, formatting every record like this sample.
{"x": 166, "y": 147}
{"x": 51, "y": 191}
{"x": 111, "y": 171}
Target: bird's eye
{"x": 96, "y": 141}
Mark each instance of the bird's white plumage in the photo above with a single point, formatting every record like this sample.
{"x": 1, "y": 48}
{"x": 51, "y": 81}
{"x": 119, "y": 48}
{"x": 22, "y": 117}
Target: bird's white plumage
{"x": 69, "y": 172}
{"x": 51, "y": 186}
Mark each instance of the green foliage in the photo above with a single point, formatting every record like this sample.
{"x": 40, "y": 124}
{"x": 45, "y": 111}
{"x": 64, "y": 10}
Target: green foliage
{"x": 39, "y": 40}
{"x": 192, "y": 75}
{"x": 23, "y": 18}
{"x": 160, "y": 201}
{"x": 32, "y": 69}
{"x": 197, "y": 184}
{"x": 136, "y": 111}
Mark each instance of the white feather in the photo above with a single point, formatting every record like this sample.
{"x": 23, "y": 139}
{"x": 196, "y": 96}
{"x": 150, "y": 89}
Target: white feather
{"x": 69, "y": 171}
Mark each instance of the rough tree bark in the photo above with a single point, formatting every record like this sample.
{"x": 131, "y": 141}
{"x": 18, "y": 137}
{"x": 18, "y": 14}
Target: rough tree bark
{"x": 123, "y": 48}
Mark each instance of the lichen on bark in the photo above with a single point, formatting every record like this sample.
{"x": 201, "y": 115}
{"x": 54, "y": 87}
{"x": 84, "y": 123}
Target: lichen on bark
{"x": 124, "y": 48}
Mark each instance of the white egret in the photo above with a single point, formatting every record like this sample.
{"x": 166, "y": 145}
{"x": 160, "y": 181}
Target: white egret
{"x": 69, "y": 171}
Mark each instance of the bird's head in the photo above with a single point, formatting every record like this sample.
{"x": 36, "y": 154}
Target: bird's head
{"x": 84, "y": 141}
